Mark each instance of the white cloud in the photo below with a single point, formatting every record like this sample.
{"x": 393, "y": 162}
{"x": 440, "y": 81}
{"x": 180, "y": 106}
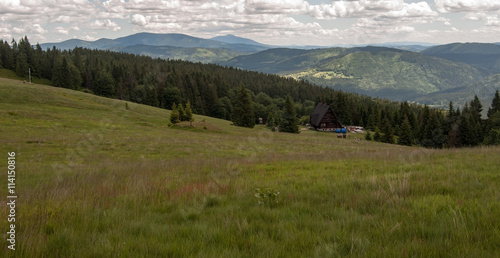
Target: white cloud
{"x": 276, "y": 6}
{"x": 139, "y": 19}
{"x": 61, "y": 31}
{"x": 270, "y": 21}
{"x": 479, "y": 16}
{"x": 445, "y": 6}
{"x": 105, "y": 24}
{"x": 493, "y": 20}
{"x": 338, "y": 9}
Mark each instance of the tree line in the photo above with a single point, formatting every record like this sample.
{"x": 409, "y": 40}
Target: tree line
{"x": 216, "y": 91}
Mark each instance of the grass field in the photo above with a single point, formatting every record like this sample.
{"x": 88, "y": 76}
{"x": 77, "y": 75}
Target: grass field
{"x": 97, "y": 177}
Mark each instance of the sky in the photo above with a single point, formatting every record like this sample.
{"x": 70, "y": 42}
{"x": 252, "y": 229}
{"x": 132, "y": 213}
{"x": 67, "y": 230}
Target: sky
{"x": 276, "y": 22}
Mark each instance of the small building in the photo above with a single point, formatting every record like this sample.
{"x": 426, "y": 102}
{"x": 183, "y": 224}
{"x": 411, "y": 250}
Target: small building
{"x": 324, "y": 119}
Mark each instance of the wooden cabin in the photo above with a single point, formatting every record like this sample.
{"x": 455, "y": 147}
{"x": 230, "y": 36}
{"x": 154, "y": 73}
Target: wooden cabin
{"x": 324, "y": 119}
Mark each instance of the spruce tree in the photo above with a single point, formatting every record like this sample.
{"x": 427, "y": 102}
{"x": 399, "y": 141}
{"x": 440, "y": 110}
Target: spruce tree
{"x": 405, "y": 135}
{"x": 174, "y": 115}
{"x": 290, "y": 121}
{"x": 388, "y": 132}
{"x": 188, "y": 113}
{"x": 181, "y": 111}
{"x": 377, "y": 136}
{"x": 495, "y": 105}
{"x": 242, "y": 114}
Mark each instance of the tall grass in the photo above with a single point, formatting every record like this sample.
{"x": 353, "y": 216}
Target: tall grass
{"x": 96, "y": 179}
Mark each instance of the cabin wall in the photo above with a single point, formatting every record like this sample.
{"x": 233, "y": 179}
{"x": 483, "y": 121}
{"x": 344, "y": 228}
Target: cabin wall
{"x": 329, "y": 122}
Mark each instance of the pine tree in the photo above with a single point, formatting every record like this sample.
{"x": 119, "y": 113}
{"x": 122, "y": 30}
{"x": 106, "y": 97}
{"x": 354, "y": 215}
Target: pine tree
{"x": 188, "y": 114}
{"x": 388, "y": 136}
{"x": 464, "y": 128}
{"x": 377, "y": 136}
{"x": 290, "y": 121}
{"x": 405, "y": 134}
{"x": 368, "y": 136}
{"x": 495, "y": 105}
{"x": 181, "y": 111}
{"x": 104, "y": 84}
{"x": 22, "y": 65}
{"x": 174, "y": 115}
{"x": 243, "y": 109}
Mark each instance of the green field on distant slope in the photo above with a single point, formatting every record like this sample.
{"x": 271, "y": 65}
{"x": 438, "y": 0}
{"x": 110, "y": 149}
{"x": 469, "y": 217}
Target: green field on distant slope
{"x": 98, "y": 177}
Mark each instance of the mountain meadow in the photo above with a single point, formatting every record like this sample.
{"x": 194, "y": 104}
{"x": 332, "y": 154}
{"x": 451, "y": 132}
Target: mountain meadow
{"x": 100, "y": 177}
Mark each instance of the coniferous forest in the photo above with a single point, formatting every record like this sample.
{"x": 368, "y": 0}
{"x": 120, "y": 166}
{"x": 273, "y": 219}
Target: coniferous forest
{"x": 214, "y": 91}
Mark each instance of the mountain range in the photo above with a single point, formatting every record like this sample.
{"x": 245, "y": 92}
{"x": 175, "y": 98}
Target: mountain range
{"x": 171, "y": 46}
{"x": 419, "y": 72}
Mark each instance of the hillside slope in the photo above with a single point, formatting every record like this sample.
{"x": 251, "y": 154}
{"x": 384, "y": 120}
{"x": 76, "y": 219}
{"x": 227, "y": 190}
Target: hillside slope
{"x": 482, "y": 55}
{"x": 484, "y": 89}
{"x": 98, "y": 177}
{"x": 375, "y": 71}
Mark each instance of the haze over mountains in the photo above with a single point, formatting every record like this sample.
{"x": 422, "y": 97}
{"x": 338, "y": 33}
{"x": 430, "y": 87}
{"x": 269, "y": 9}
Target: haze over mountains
{"x": 399, "y": 71}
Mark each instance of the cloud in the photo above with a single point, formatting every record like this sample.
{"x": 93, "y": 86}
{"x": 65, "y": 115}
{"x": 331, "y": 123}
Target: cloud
{"x": 65, "y": 31}
{"x": 276, "y": 6}
{"x": 61, "y": 31}
{"x": 493, "y": 21}
{"x": 479, "y": 16}
{"x": 139, "y": 19}
{"x": 455, "y": 6}
{"x": 105, "y": 24}
{"x": 338, "y": 9}
{"x": 270, "y": 21}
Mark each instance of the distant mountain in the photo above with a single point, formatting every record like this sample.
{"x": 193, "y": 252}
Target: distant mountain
{"x": 203, "y": 55}
{"x": 152, "y": 39}
{"x": 482, "y": 55}
{"x": 231, "y": 39}
{"x": 412, "y": 48}
{"x": 374, "y": 71}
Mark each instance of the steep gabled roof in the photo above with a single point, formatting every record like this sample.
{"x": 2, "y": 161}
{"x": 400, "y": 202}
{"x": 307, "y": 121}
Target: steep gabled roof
{"x": 318, "y": 113}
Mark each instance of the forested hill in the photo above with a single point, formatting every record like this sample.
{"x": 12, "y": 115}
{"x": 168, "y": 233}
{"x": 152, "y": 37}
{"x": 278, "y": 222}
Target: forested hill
{"x": 211, "y": 91}
{"x": 485, "y": 56}
{"x": 374, "y": 71}
{"x": 157, "y": 82}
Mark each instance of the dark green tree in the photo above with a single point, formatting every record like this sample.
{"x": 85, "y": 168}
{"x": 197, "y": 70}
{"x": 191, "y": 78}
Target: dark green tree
{"x": 377, "y": 136}
{"x": 61, "y": 74}
{"x": 289, "y": 124}
{"x": 104, "y": 84}
{"x": 274, "y": 118}
{"x": 388, "y": 132}
{"x": 170, "y": 95}
{"x": 22, "y": 65}
{"x": 405, "y": 133}
{"x": 243, "y": 109}
{"x": 495, "y": 105}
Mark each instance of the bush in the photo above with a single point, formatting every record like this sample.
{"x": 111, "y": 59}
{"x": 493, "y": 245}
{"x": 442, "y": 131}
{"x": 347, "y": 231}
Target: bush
{"x": 267, "y": 196}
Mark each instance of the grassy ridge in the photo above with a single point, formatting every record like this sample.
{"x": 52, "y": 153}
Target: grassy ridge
{"x": 98, "y": 177}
